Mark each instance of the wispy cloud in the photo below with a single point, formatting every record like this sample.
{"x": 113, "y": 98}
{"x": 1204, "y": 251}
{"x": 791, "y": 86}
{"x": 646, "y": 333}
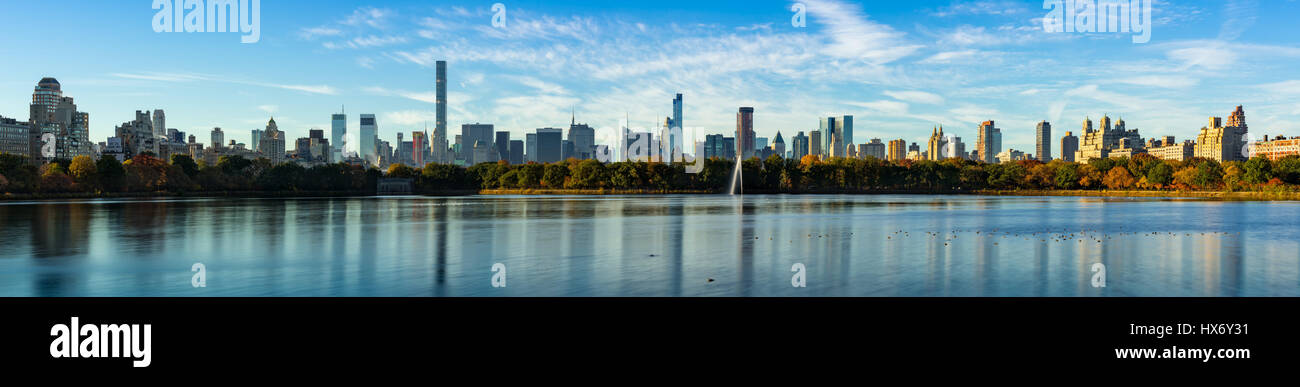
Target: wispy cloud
{"x": 852, "y": 35}
{"x": 177, "y": 77}
{"x": 916, "y": 96}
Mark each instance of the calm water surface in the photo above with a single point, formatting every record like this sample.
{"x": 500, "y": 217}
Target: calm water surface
{"x": 651, "y": 246}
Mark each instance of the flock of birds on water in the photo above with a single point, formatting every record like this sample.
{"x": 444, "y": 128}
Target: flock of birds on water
{"x": 1063, "y": 236}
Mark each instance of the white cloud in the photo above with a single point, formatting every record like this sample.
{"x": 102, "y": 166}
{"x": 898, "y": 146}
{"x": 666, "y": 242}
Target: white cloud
{"x": 916, "y": 96}
{"x": 1164, "y": 81}
{"x": 853, "y": 36}
{"x": 175, "y": 77}
{"x": 950, "y": 57}
{"x": 408, "y": 117}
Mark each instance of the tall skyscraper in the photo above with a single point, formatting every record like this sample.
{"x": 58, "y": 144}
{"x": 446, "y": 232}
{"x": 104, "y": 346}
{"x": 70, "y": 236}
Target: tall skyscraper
{"x": 338, "y": 131}
{"x": 218, "y": 139}
{"x": 745, "y": 132}
{"x": 440, "y": 128}
{"x": 800, "y": 144}
{"x": 1069, "y": 146}
{"x": 47, "y": 95}
{"x": 417, "y": 149}
{"x": 989, "y": 142}
{"x": 583, "y": 138}
{"x": 954, "y": 148}
{"x": 367, "y": 140}
{"x": 257, "y": 140}
{"x": 778, "y": 145}
{"x": 273, "y": 143}
{"x": 835, "y": 130}
{"x": 936, "y": 147}
{"x": 530, "y": 147}
{"x": 516, "y": 151}
{"x": 815, "y": 146}
{"x": 1043, "y": 141}
{"x": 502, "y": 145}
{"x": 159, "y": 123}
{"x": 677, "y": 129}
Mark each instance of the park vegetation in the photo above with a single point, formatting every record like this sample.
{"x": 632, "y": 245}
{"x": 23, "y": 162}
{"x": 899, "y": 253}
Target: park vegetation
{"x": 145, "y": 174}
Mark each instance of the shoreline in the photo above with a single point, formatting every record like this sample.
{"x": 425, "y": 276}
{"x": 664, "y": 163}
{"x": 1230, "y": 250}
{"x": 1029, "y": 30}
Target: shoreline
{"x": 1205, "y": 195}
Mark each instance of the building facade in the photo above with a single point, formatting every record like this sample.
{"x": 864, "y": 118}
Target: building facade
{"x": 1043, "y": 141}
{"x": 1223, "y": 142}
{"x": 745, "y": 132}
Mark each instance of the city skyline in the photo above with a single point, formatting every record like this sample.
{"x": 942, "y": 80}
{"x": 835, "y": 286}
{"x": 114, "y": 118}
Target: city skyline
{"x": 390, "y": 54}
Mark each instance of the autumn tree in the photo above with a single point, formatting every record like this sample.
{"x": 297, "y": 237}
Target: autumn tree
{"x": 1119, "y": 178}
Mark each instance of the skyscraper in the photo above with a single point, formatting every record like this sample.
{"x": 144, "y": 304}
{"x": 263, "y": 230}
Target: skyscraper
{"x": 676, "y": 130}
{"x": 583, "y": 138}
{"x": 875, "y": 148}
{"x": 897, "y": 150}
{"x": 417, "y": 149}
{"x": 47, "y": 94}
{"x": 1069, "y": 146}
{"x": 1043, "y": 141}
{"x": 440, "y": 128}
{"x": 800, "y": 144}
{"x": 835, "y": 130}
{"x": 257, "y": 140}
{"x": 338, "y": 129}
{"x": 159, "y": 123}
{"x": 745, "y": 132}
{"x": 367, "y": 148}
{"x": 218, "y": 139}
{"x": 815, "y": 144}
{"x": 502, "y": 145}
{"x": 778, "y": 145}
{"x": 470, "y": 134}
{"x": 550, "y": 144}
{"x": 516, "y": 151}
{"x": 936, "y": 147}
{"x": 989, "y": 142}
{"x": 273, "y": 142}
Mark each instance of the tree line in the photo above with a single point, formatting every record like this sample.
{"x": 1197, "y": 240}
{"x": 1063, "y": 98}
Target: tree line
{"x": 145, "y": 173}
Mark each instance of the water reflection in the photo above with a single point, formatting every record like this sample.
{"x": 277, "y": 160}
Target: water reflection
{"x": 650, "y": 246}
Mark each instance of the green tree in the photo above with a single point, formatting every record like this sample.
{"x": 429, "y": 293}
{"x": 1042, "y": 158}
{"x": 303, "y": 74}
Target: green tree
{"x": 1161, "y": 174}
{"x": 112, "y": 176}
{"x": 1067, "y": 176}
{"x": 1258, "y": 170}
{"x": 587, "y": 174}
{"x": 187, "y": 165}
{"x": 555, "y": 175}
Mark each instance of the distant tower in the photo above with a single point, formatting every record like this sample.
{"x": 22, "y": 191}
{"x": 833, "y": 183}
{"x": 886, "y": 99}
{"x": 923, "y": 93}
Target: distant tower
{"x": 440, "y": 127}
{"x": 338, "y": 131}
{"x": 159, "y": 123}
{"x": 745, "y": 132}
{"x": 1069, "y": 146}
{"x": 48, "y": 93}
{"x": 1043, "y": 142}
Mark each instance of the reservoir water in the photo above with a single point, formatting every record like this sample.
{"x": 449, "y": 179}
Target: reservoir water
{"x": 679, "y": 245}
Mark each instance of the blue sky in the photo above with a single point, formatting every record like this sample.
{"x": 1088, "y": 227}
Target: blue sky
{"x": 899, "y": 67}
